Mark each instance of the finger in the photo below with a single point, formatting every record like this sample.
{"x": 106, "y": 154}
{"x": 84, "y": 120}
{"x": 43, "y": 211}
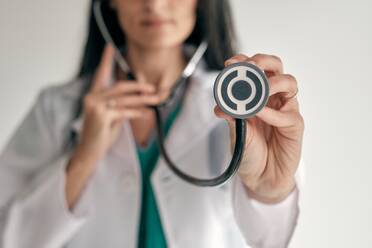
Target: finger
{"x": 291, "y": 104}
{"x": 270, "y": 116}
{"x": 230, "y": 120}
{"x": 135, "y": 100}
{"x": 236, "y": 59}
{"x": 269, "y": 63}
{"x": 278, "y": 118}
{"x": 104, "y": 70}
{"x": 129, "y": 113}
{"x": 220, "y": 114}
{"x": 126, "y": 87}
{"x": 283, "y": 83}
{"x": 266, "y": 62}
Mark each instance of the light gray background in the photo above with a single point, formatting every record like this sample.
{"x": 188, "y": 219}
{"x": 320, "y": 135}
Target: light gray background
{"x": 325, "y": 44}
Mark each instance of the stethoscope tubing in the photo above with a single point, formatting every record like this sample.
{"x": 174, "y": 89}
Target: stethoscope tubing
{"x": 240, "y": 124}
{"x": 240, "y": 130}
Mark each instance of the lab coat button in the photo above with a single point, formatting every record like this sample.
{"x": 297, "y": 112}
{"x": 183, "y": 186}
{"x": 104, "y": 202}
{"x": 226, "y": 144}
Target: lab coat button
{"x": 165, "y": 178}
{"x": 128, "y": 182}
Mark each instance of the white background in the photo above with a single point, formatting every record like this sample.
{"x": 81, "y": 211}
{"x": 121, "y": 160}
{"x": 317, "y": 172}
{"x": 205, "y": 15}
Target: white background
{"x": 327, "y": 45}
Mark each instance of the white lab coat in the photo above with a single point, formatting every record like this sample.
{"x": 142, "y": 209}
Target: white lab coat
{"x": 33, "y": 211}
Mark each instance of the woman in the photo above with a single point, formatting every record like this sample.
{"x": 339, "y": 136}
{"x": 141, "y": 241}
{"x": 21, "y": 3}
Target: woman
{"x": 77, "y": 172}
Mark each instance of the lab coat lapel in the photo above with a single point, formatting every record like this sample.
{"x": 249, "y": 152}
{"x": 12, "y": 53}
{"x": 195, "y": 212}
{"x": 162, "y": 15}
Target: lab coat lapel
{"x": 123, "y": 151}
{"x": 121, "y": 169}
{"x": 195, "y": 119}
{"x": 193, "y": 124}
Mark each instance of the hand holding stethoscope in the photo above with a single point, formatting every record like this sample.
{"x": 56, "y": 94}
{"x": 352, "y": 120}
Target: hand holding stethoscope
{"x": 107, "y": 105}
{"x": 273, "y": 144}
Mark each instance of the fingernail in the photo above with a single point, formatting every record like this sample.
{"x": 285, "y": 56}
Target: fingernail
{"x": 252, "y": 62}
{"x": 231, "y": 61}
{"x": 150, "y": 87}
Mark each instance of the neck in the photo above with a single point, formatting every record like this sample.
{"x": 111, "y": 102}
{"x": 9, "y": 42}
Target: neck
{"x": 158, "y": 66}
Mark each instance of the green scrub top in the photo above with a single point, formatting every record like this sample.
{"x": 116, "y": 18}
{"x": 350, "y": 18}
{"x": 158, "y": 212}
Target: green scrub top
{"x": 151, "y": 232}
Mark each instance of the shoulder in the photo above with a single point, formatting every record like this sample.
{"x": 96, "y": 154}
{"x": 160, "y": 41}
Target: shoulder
{"x": 68, "y": 91}
{"x": 56, "y": 104}
{"x": 62, "y": 96}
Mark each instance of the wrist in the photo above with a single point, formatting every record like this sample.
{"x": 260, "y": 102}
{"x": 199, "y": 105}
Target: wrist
{"x": 79, "y": 169}
{"x": 267, "y": 195}
{"x": 81, "y": 158}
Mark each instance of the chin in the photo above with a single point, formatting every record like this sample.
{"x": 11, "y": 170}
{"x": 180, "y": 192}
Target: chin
{"x": 162, "y": 41}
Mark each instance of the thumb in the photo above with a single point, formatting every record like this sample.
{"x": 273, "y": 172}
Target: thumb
{"x": 220, "y": 114}
{"x": 250, "y": 126}
{"x": 230, "y": 121}
{"x": 104, "y": 70}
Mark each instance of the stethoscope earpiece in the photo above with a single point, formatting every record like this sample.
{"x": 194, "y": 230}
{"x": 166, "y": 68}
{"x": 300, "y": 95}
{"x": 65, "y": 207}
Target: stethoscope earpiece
{"x": 241, "y": 90}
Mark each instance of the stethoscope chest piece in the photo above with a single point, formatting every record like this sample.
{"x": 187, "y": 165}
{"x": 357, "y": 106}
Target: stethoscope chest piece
{"x": 241, "y": 90}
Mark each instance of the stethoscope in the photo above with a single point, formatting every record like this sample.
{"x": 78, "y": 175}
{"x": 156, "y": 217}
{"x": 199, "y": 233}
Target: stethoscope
{"x": 240, "y": 90}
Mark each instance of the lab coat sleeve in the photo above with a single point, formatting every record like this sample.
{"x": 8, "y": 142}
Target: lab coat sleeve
{"x": 33, "y": 209}
{"x": 266, "y": 225}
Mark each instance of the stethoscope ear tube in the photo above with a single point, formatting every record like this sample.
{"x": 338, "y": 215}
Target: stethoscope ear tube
{"x": 240, "y": 129}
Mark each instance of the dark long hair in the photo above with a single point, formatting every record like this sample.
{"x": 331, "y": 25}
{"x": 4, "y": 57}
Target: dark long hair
{"x": 213, "y": 23}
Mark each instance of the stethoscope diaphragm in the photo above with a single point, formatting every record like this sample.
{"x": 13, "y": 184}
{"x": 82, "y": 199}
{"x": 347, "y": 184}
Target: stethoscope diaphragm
{"x": 241, "y": 90}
